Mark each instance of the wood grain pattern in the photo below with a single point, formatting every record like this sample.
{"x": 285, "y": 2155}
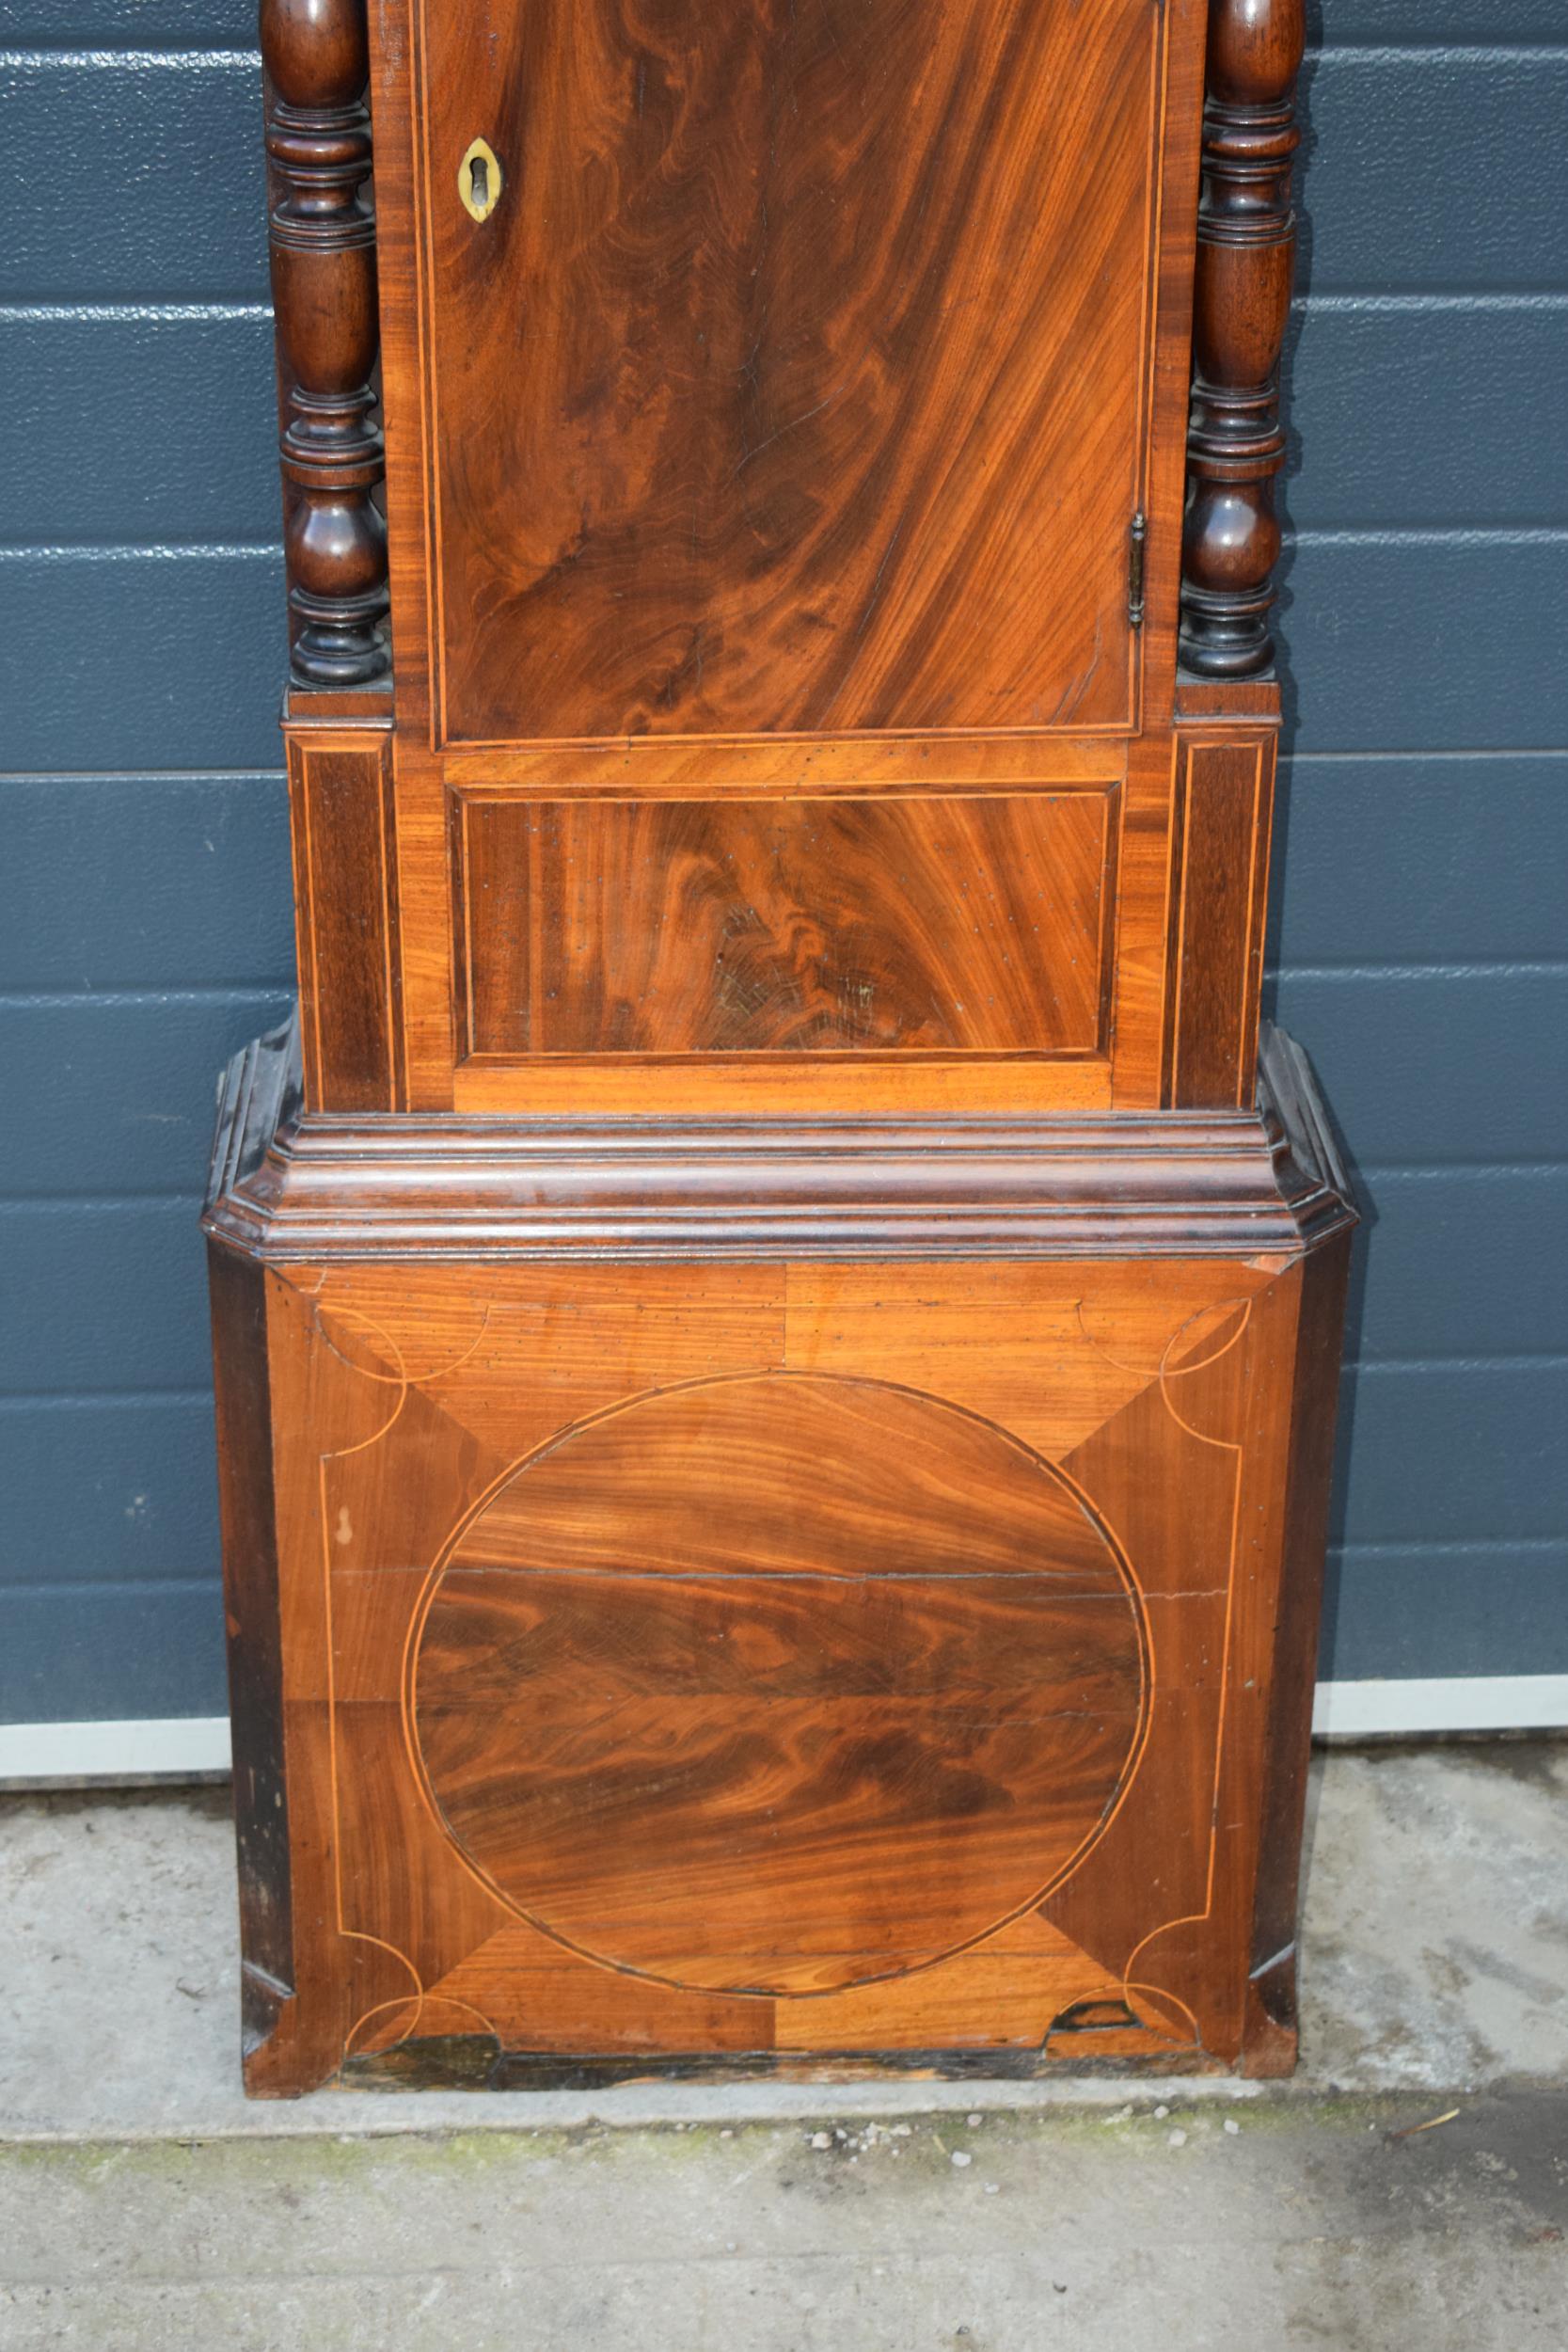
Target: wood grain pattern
{"x": 526, "y": 336}
{"x": 342, "y": 822}
{"x": 1003, "y": 1988}
{"x": 798, "y": 379}
{"x": 1218, "y": 893}
{"x": 1068, "y": 1345}
{"x": 987, "y": 316}
{"x": 774, "y": 768}
{"x": 253, "y": 1623}
{"x": 691, "y": 926}
{"x": 430, "y": 1186}
{"x": 1272, "y": 2025}
{"x": 1184, "y": 1467}
{"x": 774, "y": 1514}
{"x": 789, "y": 1088}
{"x": 778, "y": 1685}
{"x": 1138, "y": 939}
{"x": 663, "y": 1640}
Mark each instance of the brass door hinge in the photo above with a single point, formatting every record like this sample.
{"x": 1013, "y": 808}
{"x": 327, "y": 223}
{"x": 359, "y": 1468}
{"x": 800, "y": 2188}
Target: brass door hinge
{"x": 1136, "y": 538}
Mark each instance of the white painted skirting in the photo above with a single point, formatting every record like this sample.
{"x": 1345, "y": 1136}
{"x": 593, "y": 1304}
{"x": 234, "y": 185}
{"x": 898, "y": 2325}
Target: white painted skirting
{"x": 182, "y": 1747}
{"x": 1361, "y": 1710}
{"x": 196, "y": 1747}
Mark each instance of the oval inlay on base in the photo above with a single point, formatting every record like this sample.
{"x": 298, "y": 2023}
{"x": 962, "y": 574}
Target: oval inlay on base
{"x": 778, "y": 1685}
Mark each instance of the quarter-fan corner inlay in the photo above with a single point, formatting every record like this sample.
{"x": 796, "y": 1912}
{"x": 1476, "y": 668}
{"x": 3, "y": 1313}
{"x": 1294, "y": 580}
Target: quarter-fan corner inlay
{"x": 778, "y": 1684}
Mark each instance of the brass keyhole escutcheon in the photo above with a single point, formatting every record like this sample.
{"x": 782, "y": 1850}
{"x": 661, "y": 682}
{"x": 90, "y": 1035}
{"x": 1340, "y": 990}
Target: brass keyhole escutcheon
{"x": 479, "y": 181}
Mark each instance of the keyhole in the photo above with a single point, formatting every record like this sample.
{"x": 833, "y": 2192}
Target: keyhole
{"x": 479, "y": 181}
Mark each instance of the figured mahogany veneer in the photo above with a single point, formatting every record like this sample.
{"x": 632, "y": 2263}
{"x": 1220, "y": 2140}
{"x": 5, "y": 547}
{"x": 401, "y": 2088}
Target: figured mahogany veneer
{"x": 975, "y": 925}
{"x": 776, "y": 1351}
{"x": 800, "y": 1663}
{"x": 868, "y": 1626}
{"x": 798, "y": 379}
{"x": 800, "y": 416}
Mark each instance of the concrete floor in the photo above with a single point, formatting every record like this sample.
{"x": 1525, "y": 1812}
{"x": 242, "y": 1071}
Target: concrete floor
{"x": 142, "y": 2201}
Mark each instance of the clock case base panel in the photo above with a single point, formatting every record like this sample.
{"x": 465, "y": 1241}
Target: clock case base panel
{"x": 434, "y": 1332}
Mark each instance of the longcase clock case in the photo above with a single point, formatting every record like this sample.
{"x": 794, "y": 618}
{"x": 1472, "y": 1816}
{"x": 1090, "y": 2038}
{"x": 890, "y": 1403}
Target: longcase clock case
{"x": 776, "y": 1334}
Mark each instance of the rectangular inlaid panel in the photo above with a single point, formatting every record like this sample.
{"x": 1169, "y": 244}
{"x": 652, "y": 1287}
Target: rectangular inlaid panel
{"x": 1219, "y": 867}
{"x": 797, "y": 377}
{"x": 345, "y": 898}
{"x": 783, "y": 927}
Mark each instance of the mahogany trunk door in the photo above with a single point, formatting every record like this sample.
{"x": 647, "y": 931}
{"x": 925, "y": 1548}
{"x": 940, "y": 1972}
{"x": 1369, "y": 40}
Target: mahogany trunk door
{"x": 772, "y": 405}
{"x": 796, "y": 380}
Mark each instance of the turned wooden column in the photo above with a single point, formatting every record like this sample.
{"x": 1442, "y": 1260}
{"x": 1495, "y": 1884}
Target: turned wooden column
{"x": 1245, "y": 259}
{"x": 322, "y": 245}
